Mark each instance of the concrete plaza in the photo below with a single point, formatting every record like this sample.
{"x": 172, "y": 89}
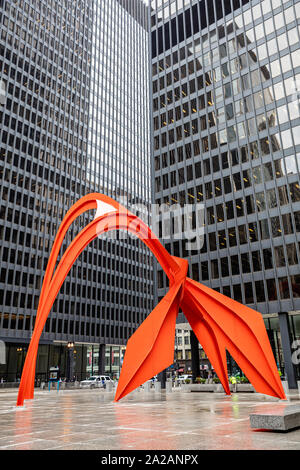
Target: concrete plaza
{"x": 89, "y": 419}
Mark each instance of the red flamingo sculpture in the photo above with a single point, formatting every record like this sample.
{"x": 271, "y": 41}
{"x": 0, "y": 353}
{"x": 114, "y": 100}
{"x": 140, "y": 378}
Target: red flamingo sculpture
{"x": 219, "y": 322}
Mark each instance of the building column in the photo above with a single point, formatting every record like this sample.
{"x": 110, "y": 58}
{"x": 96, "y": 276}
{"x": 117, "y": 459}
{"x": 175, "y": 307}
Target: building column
{"x": 162, "y": 378}
{"x": 7, "y": 364}
{"x": 195, "y": 356}
{"x": 101, "y": 359}
{"x": 70, "y": 362}
{"x": 286, "y": 348}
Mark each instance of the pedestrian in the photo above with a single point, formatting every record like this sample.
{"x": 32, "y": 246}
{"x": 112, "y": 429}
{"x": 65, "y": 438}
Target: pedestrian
{"x": 234, "y": 383}
{"x": 103, "y": 382}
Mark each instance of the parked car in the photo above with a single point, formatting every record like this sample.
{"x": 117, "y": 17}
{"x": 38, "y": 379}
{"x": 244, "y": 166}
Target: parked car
{"x": 151, "y": 381}
{"x": 95, "y": 381}
{"x": 182, "y": 378}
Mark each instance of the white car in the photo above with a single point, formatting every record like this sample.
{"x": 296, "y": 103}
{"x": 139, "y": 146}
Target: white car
{"x": 151, "y": 381}
{"x": 95, "y": 381}
{"x": 182, "y": 378}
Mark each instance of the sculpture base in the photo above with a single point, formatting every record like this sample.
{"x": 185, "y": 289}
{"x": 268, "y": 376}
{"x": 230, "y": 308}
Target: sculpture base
{"x": 277, "y": 418}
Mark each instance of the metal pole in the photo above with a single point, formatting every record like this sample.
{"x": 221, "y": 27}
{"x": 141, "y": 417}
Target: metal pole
{"x": 195, "y": 356}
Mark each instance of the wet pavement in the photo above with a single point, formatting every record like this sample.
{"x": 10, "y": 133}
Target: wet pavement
{"x": 89, "y": 419}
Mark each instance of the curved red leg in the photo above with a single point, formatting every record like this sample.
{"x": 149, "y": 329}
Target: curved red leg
{"x": 151, "y": 347}
{"x": 122, "y": 220}
{"x": 210, "y": 342}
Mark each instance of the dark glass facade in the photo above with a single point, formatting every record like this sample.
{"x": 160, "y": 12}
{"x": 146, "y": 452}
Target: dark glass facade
{"x": 73, "y": 120}
{"x": 226, "y": 133}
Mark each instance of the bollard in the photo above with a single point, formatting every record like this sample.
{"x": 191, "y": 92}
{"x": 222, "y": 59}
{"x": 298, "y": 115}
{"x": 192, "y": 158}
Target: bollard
{"x": 147, "y": 386}
{"x": 157, "y": 386}
{"x": 108, "y": 387}
{"x": 168, "y": 387}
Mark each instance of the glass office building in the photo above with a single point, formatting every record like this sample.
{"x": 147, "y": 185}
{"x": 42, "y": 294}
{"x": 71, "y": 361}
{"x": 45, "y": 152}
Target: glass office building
{"x": 74, "y": 108}
{"x": 226, "y": 133}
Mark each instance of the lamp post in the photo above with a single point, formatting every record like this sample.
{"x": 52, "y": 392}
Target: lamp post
{"x": 70, "y": 361}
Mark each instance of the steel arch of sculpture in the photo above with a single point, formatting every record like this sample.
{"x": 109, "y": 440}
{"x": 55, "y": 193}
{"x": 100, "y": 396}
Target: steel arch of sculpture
{"x": 219, "y": 322}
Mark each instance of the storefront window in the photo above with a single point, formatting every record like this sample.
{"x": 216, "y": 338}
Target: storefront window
{"x": 272, "y": 327}
{"x": 114, "y": 356}
{"x": 89, "y": 361}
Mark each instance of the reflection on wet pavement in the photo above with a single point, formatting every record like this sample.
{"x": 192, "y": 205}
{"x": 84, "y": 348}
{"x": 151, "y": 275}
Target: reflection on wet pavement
{"x": 88, "y": 419}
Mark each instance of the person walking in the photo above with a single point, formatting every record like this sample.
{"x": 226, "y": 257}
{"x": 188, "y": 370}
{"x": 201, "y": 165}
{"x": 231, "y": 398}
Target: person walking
{"x": 234, "y": 383}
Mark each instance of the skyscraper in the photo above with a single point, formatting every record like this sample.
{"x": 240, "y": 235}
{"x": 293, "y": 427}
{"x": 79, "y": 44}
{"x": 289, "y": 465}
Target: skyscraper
{"x": 226, "y": 133}
{"x": 73, "y": 120}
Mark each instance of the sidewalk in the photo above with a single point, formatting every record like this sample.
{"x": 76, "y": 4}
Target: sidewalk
{"x": 90, "y": 419}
